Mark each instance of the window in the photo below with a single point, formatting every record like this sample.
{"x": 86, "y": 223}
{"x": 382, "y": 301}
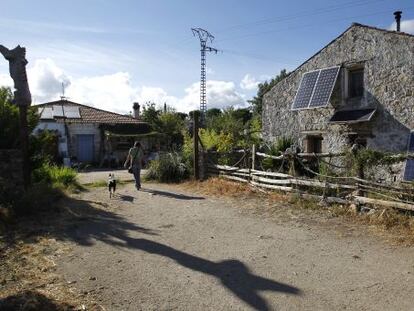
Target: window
{"x": 356, "y": 83}
{"x": 355, "y": 139}
{"x": 313, "y": 144}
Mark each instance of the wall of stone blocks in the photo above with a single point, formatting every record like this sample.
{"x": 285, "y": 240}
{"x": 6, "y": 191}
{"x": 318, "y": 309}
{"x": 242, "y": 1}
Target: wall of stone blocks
{"x": 11, "y": 170}
{"x": 388, "y": 60}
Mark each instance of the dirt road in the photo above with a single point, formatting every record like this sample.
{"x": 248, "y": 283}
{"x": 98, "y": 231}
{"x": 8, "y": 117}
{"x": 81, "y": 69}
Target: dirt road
{"x": 164, "y": 249}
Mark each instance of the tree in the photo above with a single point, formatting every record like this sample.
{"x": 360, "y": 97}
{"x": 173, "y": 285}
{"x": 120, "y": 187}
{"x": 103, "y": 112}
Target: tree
{"x": 151, "y": 114}
{"x": 9, "y": 120}
{"x": 263, "y": 88}
{"x": 167, "y": 122}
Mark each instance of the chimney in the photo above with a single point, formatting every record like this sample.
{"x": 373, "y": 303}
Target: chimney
{"x": 135, "y": 108}
{"x": 397, "y": 15}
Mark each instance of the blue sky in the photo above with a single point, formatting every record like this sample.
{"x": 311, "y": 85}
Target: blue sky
{"x": 110, "y": 53}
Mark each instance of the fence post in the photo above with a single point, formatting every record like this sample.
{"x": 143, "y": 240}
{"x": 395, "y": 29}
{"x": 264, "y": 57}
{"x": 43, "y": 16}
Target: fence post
{"x": 195, "y": 146}
{"x": 361, "y": 175}
{"x": 253, "y": 156}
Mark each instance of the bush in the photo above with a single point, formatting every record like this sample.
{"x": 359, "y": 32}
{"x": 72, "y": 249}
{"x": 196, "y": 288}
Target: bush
{"x": 44, "y": 148}
{"x": 169, "y": 168}
{"x": 277, "y": 149}
{"x": 55, "y": 175}
{"x": 188, "y": 152}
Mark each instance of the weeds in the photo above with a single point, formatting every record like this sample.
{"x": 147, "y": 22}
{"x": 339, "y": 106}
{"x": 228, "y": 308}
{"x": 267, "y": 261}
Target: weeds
{"x": 169, "y": 168}
{"x": 55, "y": 175}
{"x": 104, "y": 183}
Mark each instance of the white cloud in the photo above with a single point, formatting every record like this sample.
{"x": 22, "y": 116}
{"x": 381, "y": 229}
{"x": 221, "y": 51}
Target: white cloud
{"x": 5, "y": 80}
{"x": 249, "y": 83}
{"x": 109, "y": 92}
{"x": 115, "y": 92}
{"x": 45, "y": 80}
{"x": 220, "y": 94}
{"x": 406, "y": 26}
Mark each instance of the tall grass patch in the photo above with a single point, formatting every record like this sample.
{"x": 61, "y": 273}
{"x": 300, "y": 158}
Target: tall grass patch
{"x": 61, "y": 177}
{"x": 169, "y": 168}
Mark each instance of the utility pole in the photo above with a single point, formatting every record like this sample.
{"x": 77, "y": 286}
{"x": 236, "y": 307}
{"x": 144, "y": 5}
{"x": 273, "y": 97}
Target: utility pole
{"x": 195, "y": 146}
{"x": 204, "y": 37}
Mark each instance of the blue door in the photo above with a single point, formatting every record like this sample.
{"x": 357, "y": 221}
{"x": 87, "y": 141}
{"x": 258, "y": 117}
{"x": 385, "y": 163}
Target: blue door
{"x": 85, "y": 148}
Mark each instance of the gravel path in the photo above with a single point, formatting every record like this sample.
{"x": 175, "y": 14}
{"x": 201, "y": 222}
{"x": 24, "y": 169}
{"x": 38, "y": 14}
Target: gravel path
{"x": 164, "y": 249}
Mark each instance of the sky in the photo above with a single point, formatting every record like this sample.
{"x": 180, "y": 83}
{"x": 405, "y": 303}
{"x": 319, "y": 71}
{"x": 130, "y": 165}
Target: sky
{"x": 109, "y": 54}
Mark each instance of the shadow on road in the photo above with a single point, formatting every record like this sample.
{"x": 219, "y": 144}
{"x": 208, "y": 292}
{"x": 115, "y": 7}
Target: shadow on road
{"x": 233, "y": 274}
{"x": 123, "y": 197}
{"x": 85, "y": 224}
{"x": 171, "y": 194}
{"x": 32, "y": 300}
{"x": 92, "y": 224}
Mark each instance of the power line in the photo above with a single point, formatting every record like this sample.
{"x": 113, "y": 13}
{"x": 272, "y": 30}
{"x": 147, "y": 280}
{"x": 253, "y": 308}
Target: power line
{"x": 305, "y": 13}
{"x": 304, "y": 26}
{"x": 204, "y": 37}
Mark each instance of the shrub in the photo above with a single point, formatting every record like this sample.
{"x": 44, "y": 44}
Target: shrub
{"x": 277, "y": 149}
{"x": 221, "y": 142}
{"x": 44, "y": 147}
{"x": 169, "y": 168}
{"x": 187, "y": 151}
{"x": 55, "y": 175}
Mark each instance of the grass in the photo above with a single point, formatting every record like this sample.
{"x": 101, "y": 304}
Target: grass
{"x": 393, "y": 224}
{"x": 169, "y": 168}
{"x": 104, "y": 183}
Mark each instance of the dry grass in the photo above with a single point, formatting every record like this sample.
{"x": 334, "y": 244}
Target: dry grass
{"x": 28, "y": 277}
{"x": 394, "y": 225}
{"x": 221, "y": 187}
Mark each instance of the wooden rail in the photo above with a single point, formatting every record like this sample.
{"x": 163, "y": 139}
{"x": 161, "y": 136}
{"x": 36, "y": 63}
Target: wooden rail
{"x": 351, "y": 187}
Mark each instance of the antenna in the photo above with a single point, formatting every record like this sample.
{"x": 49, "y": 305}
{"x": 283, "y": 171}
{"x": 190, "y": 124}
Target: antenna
{"x": 204, "y": 37}
{"x": 63, "y": 92}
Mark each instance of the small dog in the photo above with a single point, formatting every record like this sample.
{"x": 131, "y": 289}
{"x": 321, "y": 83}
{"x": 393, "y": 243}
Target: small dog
{"x": 111, "y": 185}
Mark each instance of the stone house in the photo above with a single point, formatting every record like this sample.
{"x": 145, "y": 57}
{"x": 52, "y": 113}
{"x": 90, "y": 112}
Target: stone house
{"x": 358, "y": 88}
{"x": 88, "y": 134}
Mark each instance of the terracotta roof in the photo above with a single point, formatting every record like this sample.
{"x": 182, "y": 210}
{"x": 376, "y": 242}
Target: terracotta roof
{"x": 92, "y": 115}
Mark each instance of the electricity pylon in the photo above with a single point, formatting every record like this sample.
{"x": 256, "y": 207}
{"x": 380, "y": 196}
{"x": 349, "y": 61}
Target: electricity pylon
{"x": 204, "y": 37}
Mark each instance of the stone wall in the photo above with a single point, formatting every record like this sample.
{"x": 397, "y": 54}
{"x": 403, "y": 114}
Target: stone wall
{"x": 388, "y": 61}
{"x": 11, "y": 171}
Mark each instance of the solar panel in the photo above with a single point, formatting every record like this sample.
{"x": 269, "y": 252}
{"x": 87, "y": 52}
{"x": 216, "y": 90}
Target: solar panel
{"x": 72, "y": 112}
{"x": 324, "y": 87}
{"x": 305, "y": 90}
{"x": 352, "y": 116}
{"x": 409, "y": 163}
{"x": 47, "y": 113}
{"x": 58, "y": 111}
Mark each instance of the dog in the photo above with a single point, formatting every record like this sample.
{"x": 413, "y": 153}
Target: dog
{"x": 111, "y": 185}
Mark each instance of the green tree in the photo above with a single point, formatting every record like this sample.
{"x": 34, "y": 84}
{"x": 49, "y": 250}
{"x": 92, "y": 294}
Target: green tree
{"x": 151, "y": 115}
{"x": 263, "y": 88}
{"x": 9, "y": 120}
{"x": 169, "y": 123}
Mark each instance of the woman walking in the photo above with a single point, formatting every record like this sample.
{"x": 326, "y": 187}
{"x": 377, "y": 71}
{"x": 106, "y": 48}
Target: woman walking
{"x": 133, "y": 163}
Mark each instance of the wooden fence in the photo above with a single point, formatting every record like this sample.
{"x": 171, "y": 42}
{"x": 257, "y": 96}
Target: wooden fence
{"x": 331, "y": 189}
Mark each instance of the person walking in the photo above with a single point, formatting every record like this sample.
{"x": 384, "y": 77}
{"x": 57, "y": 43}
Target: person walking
{"x": 133, "y": 163}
